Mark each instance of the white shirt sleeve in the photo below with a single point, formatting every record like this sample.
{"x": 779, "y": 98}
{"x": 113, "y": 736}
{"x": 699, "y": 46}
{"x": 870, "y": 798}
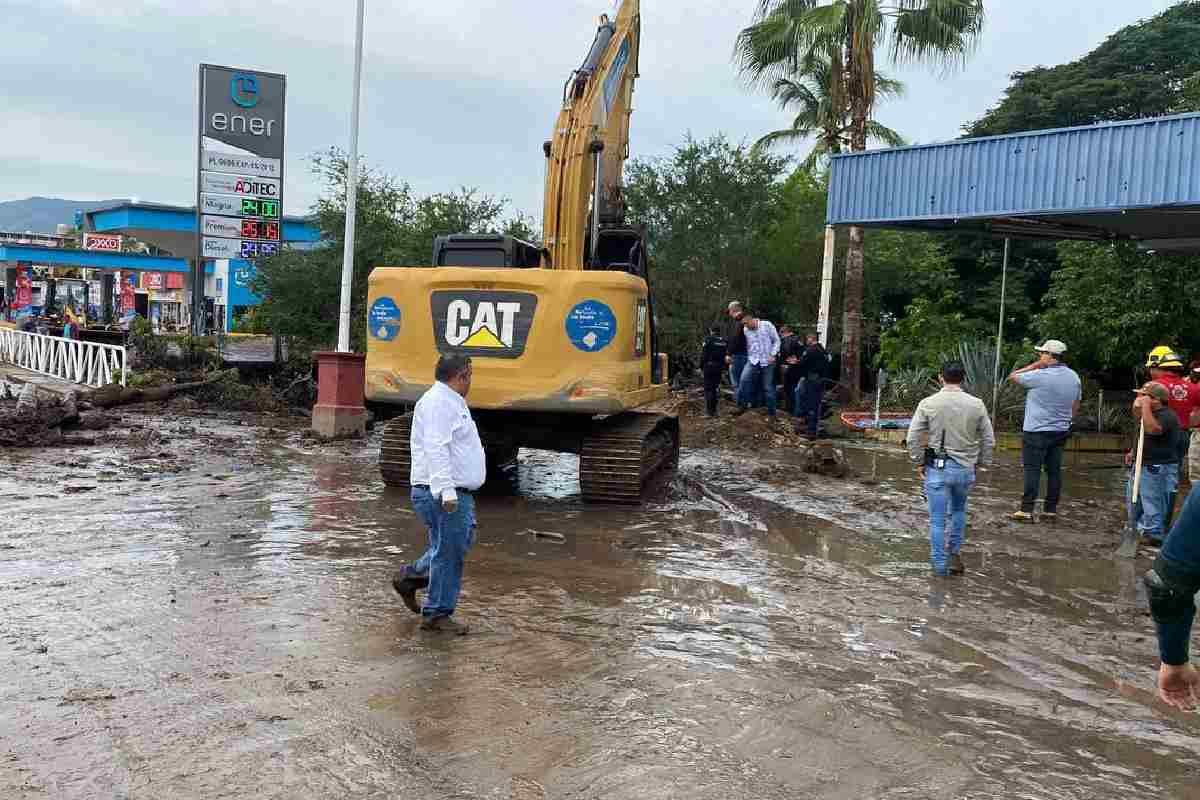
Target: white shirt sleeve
{"x": 775, "y": 341}
{"x": 438, "y": 434}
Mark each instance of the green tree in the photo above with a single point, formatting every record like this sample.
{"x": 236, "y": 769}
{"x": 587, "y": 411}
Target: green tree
{"x": 929, "y": 328}
{"x": 812, "y": 93}
{"x": 725, "y": 222}
{"x": 301, "y": 289}
{"x": 1142, "y": 70}
{"x": 1113, "y": 303}
{"x": 849, "y": 33}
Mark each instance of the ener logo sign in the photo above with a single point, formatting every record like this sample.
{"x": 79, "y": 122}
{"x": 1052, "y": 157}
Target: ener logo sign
{"x": 484, "y": 324}
{"x": 243, "y": 109}
{"x": 243, "y": 90}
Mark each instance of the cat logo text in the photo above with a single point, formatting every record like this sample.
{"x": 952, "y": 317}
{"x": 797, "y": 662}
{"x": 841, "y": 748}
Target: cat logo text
{"x": 481, "y": 323}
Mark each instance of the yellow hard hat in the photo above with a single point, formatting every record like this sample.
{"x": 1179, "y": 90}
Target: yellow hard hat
{"x": 1163, "y": 357}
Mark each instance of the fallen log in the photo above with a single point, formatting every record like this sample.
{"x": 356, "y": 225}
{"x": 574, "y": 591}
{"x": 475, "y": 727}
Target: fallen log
{"x": 115, "y": 395}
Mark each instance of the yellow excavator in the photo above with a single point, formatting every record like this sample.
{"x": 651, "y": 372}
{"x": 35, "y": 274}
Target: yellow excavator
{"x": 562, "y": 334}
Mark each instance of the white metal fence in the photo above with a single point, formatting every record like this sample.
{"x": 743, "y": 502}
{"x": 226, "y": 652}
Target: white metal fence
{"x": 86, "y": 363}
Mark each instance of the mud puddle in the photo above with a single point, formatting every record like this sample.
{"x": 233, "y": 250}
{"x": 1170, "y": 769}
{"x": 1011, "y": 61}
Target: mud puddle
{"x": 227, "y": 630}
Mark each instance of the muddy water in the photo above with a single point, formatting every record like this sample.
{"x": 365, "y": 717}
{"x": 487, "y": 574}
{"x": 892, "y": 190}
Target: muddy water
{"x": 221, "y": 625}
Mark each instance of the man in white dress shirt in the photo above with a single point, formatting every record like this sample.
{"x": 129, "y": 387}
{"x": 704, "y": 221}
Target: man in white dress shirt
{"x": 762, "y": 350}
{"x": 447, "y": 467}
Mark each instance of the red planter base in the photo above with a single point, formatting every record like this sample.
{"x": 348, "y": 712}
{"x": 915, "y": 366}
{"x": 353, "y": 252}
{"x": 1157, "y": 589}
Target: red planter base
{"x": 340, "y": 412}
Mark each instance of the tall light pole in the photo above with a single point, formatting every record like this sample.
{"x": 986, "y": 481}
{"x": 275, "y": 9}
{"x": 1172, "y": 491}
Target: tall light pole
{"x": 999, "y": 338}
{"x": 343, "y": 345}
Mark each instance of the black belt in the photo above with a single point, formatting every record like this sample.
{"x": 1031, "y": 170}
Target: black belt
{"x": 425, "y": 486}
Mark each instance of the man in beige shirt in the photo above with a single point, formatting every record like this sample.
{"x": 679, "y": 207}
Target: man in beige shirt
{"x": 949, "y": 437}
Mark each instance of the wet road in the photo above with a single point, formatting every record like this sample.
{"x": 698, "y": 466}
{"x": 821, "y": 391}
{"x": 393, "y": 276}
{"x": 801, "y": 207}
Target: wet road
{"x": 224, "y": 627}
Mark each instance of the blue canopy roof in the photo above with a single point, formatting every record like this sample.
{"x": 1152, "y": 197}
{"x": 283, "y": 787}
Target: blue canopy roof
{"x": 1131, "y": 180}
{"x": 92, "y": 259}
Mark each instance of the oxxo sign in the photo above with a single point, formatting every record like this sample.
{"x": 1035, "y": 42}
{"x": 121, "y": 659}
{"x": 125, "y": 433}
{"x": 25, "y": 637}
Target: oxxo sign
{"x": 240, "y": 162}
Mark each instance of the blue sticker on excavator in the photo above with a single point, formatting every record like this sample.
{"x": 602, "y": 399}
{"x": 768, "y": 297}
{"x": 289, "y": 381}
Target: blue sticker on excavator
{"x": 383, "y": 320}
{"x": 591, "y": 326}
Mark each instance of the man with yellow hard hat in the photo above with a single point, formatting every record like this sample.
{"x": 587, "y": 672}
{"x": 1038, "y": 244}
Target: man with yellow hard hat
{"x": 1166, "y": 367}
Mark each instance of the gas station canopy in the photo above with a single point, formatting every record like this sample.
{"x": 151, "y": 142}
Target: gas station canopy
{"x": 1137, "y": 180}
{"x": 91, "y": 259}
{"x": 173, "y": 228}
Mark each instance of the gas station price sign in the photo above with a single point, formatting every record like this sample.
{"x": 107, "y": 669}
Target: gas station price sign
{"x": 268, "y": 209}
{"x": 253, "y": 229}
{"x": 252, "y": 250}
{"x": 240, "y": 174}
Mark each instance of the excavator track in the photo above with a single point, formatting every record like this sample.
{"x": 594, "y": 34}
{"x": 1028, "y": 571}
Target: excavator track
{"x": 395, "y": 459}
{"x": 624, "y": 453}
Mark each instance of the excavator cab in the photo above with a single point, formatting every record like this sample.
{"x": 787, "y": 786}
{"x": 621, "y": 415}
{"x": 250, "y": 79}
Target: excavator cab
{"x": 485, "y": 250}
{"x": 620, "y": 249}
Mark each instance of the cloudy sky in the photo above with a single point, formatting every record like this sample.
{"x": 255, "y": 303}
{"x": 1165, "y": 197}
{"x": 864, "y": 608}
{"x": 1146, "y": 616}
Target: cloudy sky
{"x": 100, "y": 97}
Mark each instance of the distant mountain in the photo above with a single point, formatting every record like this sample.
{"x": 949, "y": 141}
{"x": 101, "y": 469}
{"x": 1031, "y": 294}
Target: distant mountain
{"x": 43, "y": 214}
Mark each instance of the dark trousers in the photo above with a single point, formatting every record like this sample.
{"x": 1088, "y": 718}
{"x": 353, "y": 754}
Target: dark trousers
{"x": 791, "y": 379}
{"x": 808, "y": 402}
{"x": 1042, "y": 450}
{"x": 712, "y": 383}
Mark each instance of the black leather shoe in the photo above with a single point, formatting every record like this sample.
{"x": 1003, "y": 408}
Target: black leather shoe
{"x": 444, "y": 624}
{"x": 956, "y": 565}
{"x": 407, "y": 587}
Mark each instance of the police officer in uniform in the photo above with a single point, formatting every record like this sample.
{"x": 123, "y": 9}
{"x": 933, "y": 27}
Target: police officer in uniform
{"x": 712, "y": 365}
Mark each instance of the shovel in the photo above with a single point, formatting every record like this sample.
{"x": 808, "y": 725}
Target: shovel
{"x": 1129, "y": 537}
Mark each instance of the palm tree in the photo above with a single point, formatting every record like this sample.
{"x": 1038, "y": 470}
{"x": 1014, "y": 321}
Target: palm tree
{"x": 811, "y": 89}
{"x": 787, "y": 34}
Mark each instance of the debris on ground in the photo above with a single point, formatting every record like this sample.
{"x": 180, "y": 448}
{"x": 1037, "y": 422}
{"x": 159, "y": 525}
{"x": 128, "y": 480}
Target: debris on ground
{"x": 752, "y": 431}
{"x": 34, "y": 417}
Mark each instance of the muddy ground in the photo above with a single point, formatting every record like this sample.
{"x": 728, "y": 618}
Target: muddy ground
{"x": 200, "y": 608}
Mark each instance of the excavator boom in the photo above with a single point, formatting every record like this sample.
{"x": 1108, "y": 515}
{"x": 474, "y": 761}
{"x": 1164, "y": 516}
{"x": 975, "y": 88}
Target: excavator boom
{"x": 590, "y": 143}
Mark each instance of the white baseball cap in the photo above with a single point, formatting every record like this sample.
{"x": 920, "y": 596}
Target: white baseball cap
{"x": 1052, "y": 346}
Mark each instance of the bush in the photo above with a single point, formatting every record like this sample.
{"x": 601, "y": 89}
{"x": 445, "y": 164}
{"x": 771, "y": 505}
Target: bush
{"x": 149, "y": 349}
{"x": 198, "y": 352}
{"x": 251, "y": 322}
{"x": 233, "y": 394}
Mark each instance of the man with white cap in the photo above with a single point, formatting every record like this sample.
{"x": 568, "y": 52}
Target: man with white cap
{"x": 1051, "y": 405}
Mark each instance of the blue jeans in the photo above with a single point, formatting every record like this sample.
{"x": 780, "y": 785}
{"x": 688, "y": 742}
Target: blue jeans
{"x": 947, "y": 490}
{"x": 736, "y": 367}
{"x": 754, "y": 376}
{"x": 809, "y": 395}
{"x": 1159, "y": 483}
{"x": 450, "y": 537}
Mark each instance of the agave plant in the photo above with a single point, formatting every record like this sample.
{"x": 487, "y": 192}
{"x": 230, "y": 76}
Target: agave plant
{"x": 978, "y": 358}
{"x": 904, "y": 388}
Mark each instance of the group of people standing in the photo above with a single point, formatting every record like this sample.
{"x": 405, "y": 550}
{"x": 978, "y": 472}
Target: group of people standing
{"x": 757, "y": 358}
{"x": 951, "y": 436}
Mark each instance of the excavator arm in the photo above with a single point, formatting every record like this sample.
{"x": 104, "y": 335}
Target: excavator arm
{"x": 586, "y": 155}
